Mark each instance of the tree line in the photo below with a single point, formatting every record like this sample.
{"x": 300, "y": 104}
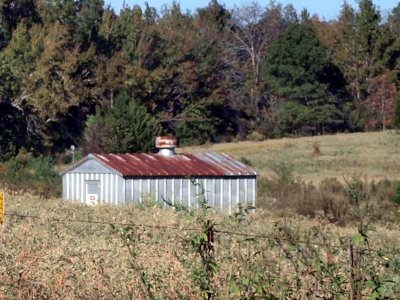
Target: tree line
{"x": 76, "y": 72}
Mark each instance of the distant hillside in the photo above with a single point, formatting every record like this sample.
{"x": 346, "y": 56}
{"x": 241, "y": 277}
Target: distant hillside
{"x": 374, "y": 155}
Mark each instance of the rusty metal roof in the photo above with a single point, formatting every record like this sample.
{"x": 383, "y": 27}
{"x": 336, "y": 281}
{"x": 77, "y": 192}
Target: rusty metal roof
{"x": 156, "y": 165}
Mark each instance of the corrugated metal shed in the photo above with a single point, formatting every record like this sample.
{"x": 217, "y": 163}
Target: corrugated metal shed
{"x": 124, "y": 178}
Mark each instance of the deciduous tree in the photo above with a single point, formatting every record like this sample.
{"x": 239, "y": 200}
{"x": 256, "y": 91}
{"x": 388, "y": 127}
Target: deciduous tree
{"x": 381, "y": 102}
{"x": 253, "y": 28}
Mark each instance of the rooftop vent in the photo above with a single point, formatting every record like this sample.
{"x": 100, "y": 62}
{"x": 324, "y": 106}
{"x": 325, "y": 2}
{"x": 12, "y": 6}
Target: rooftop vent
{"x": 166, "y": 145}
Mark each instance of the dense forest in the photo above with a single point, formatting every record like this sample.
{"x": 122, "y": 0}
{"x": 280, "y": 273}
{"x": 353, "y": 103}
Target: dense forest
{"x": 75, "y": 72}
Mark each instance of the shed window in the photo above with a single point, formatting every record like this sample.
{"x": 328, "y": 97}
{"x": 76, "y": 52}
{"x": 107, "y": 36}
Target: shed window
{"x": 92, "y": 186}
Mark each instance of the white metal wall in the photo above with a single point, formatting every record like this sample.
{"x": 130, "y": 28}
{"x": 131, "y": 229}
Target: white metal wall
{"x": 225, "y": 193}
{"x": 111, "y": 187}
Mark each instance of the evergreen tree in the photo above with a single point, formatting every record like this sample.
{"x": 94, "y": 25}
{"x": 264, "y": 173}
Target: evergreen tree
{"x": 298, "y": 70}
{"x": 367, "y": 37}
{"x": 394, "y": 19}
{"x": 393, "y": 50}
{"x": 365, "y": 50}
{"x": 347, "y": 49}
{"x": 195, "y": 126}
{"x": 125, "y": 128}
{"x": 360, "y": 47}
{"x": 11, "y": 13}
{"x": 87, "y": 21}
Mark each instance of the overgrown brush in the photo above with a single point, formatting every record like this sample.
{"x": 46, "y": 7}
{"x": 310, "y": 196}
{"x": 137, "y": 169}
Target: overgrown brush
{"x": 287, "y": 195}
{"x": 27, "y": 173}
{"x": 141, "y": 252}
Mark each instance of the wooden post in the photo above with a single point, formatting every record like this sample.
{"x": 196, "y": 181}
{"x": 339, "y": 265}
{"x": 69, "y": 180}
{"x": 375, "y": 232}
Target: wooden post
{"x": 209, "y": 245}
{"x": 355, "y": 273}
{"x": 208, "y": 258}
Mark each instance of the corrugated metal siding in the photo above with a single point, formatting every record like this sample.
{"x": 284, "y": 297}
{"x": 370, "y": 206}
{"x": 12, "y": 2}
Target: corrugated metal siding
{"x": 224, "y": 193}
{"x": 90, "y": 165}
{"x": 64, "y": 185}
{"x": 111, "y": 187}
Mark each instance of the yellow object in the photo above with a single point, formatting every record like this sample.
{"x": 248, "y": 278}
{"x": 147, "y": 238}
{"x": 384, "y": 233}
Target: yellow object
{"x": 1, "y": 207}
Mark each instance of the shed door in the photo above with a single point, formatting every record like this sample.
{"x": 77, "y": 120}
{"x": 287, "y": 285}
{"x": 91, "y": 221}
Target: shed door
{"x": 92, "y": 192}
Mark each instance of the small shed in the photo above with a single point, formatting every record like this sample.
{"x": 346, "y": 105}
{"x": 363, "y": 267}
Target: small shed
{"x": 128, "y": 178}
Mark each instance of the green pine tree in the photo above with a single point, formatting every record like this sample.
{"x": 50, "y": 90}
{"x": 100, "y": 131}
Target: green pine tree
{"x": 297, "y": 69}
{"x": 125, "y": 128}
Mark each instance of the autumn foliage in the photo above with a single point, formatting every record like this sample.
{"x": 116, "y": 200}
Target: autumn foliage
{"x": 215, "y": 74}
{"x": 381, "y": 102}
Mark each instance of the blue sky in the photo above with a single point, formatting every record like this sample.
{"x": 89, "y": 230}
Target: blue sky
{"x": 328, "y": 9}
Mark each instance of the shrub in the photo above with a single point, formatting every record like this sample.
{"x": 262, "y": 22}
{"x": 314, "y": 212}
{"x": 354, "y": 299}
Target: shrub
{"x": 356, "y": 190}
{"x": 282, "y": 187}
{"x": 331, "y": 185}
{"x": 316, "y": 150}
{"x": 386, "y": 190}
{"x": 305, "y": 199}
{"x": 396, "y": 196}
{"x": 263, "y": 191}
{"x": 255, "y": 136}
{"x": 246, "y": 161}
{"x": 34, "y": 174}
{"x": 337, "y": 203}
{"x": 284, "y": 182}
{"x": 196, "y": 126}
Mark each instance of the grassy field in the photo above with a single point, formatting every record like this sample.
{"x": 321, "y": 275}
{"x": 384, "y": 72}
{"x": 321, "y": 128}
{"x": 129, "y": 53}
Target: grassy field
{"x": 374, "y": 155}
{"x": 50, "y": 249}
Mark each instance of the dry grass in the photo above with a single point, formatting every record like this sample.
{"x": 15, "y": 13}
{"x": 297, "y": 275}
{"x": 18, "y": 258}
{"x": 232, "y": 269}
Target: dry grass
{"x": 48, "y": 259}
{"x": 374, "y": 155}
{"x": 51, "y": 257}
